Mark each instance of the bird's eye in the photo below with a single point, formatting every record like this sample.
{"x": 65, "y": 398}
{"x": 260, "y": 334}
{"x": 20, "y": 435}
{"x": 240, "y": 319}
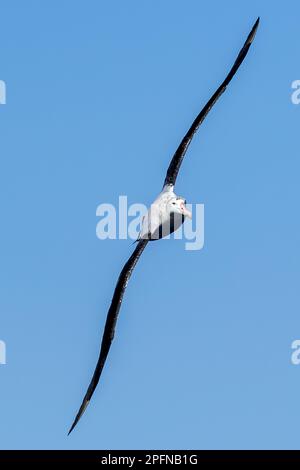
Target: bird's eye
{"x": 174, "y": 203}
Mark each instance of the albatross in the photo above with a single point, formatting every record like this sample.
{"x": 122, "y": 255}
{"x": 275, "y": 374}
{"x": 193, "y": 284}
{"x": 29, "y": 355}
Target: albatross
{"x": 165, "y": 215}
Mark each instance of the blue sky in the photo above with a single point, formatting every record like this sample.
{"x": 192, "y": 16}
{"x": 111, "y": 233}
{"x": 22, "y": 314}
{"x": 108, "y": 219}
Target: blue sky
{"x": 99, "y": 95}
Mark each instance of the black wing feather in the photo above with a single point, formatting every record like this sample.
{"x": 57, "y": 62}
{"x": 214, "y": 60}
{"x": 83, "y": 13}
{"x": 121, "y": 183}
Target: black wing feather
{"x": 180, "y": 152}
{"x": 110, "y": 325}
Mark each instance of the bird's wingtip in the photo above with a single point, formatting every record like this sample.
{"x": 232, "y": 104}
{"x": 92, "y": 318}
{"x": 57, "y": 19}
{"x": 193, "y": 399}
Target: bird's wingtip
{"x": 253, "y": 31}
{"x": 73, "y": 426}
{"x": 79, "y": 414}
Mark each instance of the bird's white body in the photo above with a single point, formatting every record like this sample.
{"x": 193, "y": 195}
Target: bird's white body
{"x": 166, "y": 214}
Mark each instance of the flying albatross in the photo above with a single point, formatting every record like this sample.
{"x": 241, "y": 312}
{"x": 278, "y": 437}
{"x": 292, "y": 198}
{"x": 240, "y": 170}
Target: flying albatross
{"x": 165, "y": 215}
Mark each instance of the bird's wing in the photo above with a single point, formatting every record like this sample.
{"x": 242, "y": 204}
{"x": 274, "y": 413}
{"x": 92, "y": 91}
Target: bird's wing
{"x": 180, "y": 152}
{"x": 110, "y": 325}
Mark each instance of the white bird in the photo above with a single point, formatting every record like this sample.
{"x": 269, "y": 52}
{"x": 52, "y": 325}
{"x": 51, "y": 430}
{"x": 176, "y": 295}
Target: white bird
{"x": 165, "y": 215}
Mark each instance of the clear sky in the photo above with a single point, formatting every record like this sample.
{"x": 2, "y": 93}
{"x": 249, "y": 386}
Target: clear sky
{"x": 99, "y": 95}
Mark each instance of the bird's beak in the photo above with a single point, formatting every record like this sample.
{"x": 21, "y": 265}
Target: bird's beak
{"x": 185, "y": 211}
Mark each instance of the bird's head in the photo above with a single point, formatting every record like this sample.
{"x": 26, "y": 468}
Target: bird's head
{"x": 177, "y": 205}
